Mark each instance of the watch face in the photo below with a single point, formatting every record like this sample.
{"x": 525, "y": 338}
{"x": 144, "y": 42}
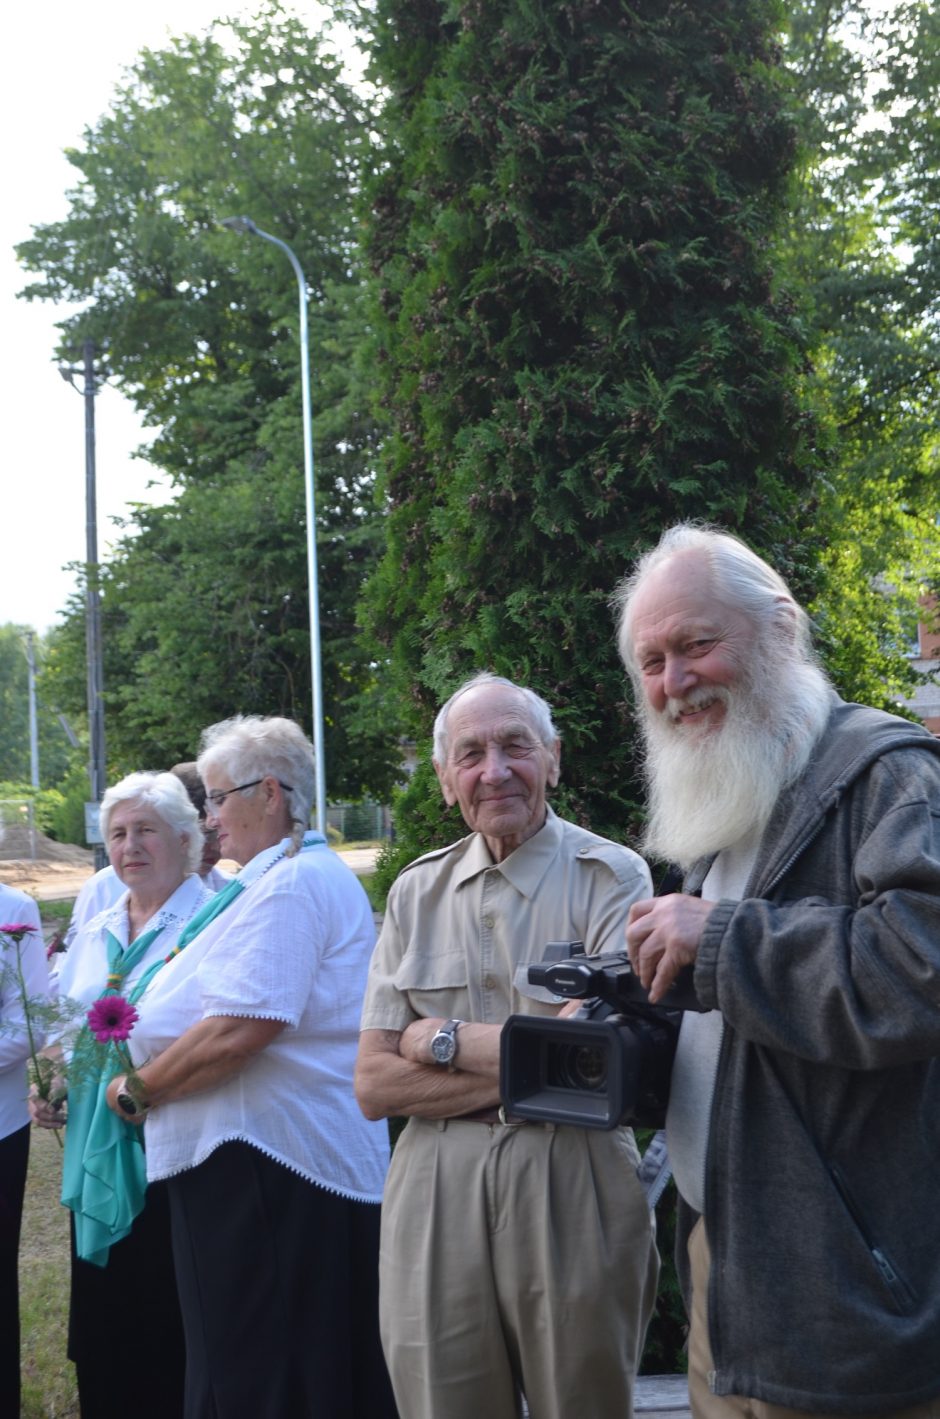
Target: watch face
{"x": 443, "y": 1047}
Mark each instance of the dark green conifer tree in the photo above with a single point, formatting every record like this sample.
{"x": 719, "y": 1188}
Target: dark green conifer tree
{"x": 578, "y": 341}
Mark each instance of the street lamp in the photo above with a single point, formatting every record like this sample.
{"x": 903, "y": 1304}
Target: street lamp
{"x": 245, "y": 225}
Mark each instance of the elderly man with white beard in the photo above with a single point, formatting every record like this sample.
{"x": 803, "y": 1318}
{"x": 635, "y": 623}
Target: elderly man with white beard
{"x": 803, "y": 1118}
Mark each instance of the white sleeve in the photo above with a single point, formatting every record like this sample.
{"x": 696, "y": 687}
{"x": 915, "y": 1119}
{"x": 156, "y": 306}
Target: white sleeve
{"x": 14, "y": 1034}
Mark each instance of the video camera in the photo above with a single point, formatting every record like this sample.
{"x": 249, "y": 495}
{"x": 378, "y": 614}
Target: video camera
{"x": 609, "y": 1064}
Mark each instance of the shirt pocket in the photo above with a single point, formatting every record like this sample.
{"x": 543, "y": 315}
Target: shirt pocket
{"x": 534, "y": 999}
{"x": 434, "y": 984}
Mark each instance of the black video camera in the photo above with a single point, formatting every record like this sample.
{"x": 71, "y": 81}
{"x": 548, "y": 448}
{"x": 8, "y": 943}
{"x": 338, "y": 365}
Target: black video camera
{"x": 609, "y": 1064}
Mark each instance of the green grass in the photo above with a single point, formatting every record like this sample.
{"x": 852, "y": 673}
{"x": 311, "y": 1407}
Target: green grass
{"x": 373, "y": 892}
{"x": 48, "y": 1377}
{"x": 57, "y": 912}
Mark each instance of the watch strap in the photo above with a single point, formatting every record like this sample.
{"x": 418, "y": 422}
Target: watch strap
{"x": 132, "y": 1097}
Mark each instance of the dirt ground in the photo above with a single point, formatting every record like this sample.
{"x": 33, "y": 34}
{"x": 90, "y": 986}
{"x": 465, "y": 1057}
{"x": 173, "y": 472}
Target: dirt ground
{"x": 38, "y": 865}
{"x": 59, "y": 870}
{"x": 46, "y": 881}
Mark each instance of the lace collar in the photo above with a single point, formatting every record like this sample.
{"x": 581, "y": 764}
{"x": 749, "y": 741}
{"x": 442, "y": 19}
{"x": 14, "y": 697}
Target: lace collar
{"x": 189, "y": 896}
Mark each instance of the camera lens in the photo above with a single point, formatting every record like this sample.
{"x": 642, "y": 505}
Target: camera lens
{"x": 577, "y": 1067}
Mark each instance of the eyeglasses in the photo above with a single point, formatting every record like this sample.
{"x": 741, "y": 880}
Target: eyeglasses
{"x": 217, "y": 797}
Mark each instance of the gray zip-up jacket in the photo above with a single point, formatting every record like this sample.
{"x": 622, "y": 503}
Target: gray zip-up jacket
{"x": 822, "y": 1190}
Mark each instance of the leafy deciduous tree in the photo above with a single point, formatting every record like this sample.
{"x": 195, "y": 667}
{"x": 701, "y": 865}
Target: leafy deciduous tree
{"x": 204, "y": 602}
{"x": 53, "y": 745}
{"x": 863, "y": 251}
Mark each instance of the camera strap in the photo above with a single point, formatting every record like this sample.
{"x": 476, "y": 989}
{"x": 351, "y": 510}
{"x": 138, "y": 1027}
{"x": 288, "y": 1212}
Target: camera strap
{"x": 655, "y": 1169}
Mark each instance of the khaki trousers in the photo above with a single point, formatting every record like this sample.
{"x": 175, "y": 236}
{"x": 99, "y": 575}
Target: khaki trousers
{"x": 514, "y": 1258}
{"x": 703, "y": 1403}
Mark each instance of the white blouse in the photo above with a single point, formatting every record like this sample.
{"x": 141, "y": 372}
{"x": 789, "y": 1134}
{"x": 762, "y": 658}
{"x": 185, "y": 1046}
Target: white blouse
{"x": 17, "y": 908}
{"x": 106, "y": 888}
{"x": 294, "y": 945}
{"x": 97, "y": 894}
{"x": 82, "y": 971}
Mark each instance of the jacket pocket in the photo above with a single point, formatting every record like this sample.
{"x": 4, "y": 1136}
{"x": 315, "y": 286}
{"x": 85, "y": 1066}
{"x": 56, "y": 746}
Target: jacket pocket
{"x": 901, "y": 1293}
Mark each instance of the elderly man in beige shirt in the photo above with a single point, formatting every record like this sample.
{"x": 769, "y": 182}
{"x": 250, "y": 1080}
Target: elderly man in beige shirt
{"x": 516, "y": 1258}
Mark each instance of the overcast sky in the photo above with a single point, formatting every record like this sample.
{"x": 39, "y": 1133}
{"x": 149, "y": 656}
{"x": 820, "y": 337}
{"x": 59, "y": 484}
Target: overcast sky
{"x": 61, "y": 64}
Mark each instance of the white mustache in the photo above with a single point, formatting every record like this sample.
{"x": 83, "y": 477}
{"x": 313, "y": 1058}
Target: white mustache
{"x": 696, "y": 700}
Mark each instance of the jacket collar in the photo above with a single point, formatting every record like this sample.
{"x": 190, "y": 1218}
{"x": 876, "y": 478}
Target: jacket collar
{"x": 854, "y": 737}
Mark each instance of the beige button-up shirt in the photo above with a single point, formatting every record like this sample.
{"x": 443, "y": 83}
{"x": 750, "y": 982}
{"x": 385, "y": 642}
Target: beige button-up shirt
{"x": 460, "y": 931}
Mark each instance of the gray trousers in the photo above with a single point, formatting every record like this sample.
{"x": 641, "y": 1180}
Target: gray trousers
{"x": 515, "y": 1259}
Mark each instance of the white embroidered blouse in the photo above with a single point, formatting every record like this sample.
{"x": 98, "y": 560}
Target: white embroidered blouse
{"x": 293, "y": 946}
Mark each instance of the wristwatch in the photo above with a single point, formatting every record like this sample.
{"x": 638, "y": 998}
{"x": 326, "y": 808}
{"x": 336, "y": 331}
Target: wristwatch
{"x": 132, "y": 1102}
{"x": 444, "y": 1043}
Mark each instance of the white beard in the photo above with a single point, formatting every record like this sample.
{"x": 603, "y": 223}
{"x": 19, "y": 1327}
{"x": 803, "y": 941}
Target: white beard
{"x": 709, "y": 791}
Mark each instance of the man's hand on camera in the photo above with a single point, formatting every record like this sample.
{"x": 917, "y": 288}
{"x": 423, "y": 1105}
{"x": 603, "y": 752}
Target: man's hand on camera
{"x": 663, "y": 935}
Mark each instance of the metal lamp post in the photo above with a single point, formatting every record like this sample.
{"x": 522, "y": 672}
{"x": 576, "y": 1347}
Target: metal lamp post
{"x": 246, "y": 225}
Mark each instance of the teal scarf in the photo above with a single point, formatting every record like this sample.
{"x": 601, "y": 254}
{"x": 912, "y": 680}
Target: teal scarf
{"x": 104, "y": 1175}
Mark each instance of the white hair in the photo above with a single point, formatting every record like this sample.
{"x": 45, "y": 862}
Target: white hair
{"x": 169, "y": 800}
{"x": 252, "y": 746}
{"x": 537, "y": 710}
{"x": 707, "y": 794}
{"x": 739, "y": 577}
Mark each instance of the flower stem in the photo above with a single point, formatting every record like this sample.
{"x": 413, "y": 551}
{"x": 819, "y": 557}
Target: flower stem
{"x": 40, "y": 1075}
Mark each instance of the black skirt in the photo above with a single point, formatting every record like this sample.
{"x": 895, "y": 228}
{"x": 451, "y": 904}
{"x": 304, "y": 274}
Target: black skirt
{"x": 125, "y": 1330}
{"x": 278, "y": 1283}
{"x": 14, "y": 1157}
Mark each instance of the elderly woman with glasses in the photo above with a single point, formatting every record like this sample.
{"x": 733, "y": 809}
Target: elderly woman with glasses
{"x": 122, "y": 1274}
{"x": 244, "y": 1056}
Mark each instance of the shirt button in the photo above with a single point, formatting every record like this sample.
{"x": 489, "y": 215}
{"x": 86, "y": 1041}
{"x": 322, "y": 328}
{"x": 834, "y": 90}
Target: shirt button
{"x": 489, "y": 983}
{"x": 488, "y": 922}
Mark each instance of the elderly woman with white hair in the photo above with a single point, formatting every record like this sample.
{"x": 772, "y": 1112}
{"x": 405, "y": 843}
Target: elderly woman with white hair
{"x": 245, "y": 1052}
{"x": 122, "y": 1273}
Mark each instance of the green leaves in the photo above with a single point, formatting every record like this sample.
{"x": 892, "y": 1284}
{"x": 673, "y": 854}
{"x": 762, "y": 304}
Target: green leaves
{"x": 205, "y": 601}
{"x": 862, "y": 248}
{"x": 623, "y": 267}
{"x": 54, "y": 751}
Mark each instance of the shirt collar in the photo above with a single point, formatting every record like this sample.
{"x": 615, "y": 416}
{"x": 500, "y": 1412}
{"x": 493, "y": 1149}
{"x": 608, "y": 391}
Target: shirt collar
{"x": 268, "y": 856}
{"x": 525, "y": 868}
{"x": 189, "y": 896}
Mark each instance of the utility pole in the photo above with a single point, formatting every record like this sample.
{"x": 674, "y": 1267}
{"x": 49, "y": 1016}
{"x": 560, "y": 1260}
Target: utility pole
{"x": 33, "y": 723}
{"x": 96, "y": 759}
{"x": 94, "y": 675}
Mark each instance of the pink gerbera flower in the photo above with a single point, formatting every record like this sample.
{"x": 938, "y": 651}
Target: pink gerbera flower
{"x": 111, "y": 1018}
{"x": 17, "y": 929}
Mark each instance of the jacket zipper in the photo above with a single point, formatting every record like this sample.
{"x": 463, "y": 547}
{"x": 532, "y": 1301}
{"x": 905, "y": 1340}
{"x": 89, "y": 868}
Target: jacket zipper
{"x": 797, "y": 852}
{"x": 895, "y": 1283}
